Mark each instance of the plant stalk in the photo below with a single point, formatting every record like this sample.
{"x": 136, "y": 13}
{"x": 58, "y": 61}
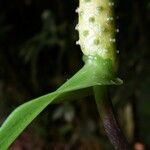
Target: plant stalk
{"x": 108, "y": 118}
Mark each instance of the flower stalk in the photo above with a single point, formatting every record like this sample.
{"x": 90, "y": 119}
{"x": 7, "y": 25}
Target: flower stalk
{"x": 107, "y": 116}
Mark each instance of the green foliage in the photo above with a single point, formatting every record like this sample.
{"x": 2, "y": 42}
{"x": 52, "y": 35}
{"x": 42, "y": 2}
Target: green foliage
{"x": 93, "y": 73}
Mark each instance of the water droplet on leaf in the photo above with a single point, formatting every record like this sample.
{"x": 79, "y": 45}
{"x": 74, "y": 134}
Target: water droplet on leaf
{"x": 77, "y": 10}
{"x": 118, "y": 51}
{"x": 117, "y": 30}
{"x": 77, "y": 42}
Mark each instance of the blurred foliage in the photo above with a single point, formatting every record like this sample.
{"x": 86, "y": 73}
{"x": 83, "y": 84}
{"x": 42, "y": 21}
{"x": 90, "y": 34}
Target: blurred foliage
{"x": 39, "y": 36}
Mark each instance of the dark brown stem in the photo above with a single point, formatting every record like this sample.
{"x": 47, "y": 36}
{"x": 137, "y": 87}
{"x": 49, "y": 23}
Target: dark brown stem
{"x": 107, "y": 116}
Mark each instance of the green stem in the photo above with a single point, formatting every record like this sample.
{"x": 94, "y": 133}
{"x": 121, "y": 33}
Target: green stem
{"x": 107, "y": 116}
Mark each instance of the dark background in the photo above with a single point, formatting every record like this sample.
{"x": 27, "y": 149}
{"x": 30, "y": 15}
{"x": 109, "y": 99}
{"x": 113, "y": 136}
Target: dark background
{"x": 38, "y": 54}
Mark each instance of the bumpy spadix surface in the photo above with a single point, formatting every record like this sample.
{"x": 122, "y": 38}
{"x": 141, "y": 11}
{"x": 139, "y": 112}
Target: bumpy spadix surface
{"x": 96, "y": 28}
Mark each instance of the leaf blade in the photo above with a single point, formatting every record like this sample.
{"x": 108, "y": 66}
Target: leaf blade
{"x": 90, "y": 75}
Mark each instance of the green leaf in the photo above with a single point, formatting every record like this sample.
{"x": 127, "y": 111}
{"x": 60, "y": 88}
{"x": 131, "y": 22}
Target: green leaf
{"x": 96, "y": 71}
